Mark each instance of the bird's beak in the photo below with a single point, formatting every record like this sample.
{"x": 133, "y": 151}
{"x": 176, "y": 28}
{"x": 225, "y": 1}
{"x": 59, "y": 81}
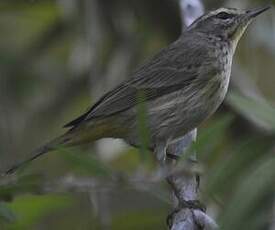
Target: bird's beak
{"x": 244, "y": 20}
{"x": 254, "y": 13}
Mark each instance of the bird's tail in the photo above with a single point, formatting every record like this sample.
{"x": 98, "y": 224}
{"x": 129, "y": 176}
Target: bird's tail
{"x": 50, "y": 146}
{"x": 73, "y": 137}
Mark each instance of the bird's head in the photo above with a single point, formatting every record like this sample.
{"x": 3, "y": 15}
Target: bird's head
{"x": 226, "y": 23}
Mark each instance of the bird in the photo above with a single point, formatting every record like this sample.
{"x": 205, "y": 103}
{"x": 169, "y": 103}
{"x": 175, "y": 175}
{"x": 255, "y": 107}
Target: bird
{"x": 179, "y": 87}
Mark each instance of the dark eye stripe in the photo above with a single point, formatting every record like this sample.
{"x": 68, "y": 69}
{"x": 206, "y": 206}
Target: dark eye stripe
{"x": 224, "y": 15}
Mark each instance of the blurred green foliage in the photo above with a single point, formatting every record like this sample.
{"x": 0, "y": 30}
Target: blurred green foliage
{"x": 253, "y": 109}
{"x": 55, "y": 54}
{"x": 29, "y": 209}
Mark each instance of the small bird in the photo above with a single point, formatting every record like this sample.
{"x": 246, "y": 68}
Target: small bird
{"x": 180, "y": 87}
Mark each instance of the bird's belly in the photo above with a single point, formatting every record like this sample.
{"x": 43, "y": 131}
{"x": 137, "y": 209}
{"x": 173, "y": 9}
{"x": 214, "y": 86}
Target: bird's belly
{"x": 172, "y": 116}
{"x": 185, "y": 110}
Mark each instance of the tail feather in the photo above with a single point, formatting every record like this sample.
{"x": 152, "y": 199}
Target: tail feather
{"x": 58, "y": 142}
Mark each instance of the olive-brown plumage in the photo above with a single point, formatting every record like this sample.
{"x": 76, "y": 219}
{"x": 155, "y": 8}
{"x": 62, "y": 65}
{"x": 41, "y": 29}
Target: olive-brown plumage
{"x": 180, "y": 87}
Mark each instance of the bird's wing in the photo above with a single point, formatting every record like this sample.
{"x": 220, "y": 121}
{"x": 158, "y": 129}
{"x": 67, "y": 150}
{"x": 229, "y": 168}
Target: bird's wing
{"x": 152, "y": 84}
{"x": 158, "y": 77}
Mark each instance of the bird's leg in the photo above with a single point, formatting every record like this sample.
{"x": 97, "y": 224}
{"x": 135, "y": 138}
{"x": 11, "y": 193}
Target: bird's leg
{"x": 160, "y": 154}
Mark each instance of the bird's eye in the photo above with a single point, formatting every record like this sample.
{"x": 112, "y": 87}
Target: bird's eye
{"x": 224, "y": 15}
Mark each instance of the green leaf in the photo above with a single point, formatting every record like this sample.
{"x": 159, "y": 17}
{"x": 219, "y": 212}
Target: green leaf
{"x": 260, "y": 112}
{"x": 207, "y": 138}
{"x": 143, "y": 128}
{"x": 135, "y": 220}
{"x": 249, "y": 194}
{"x": 23, "y": 184}
{"x": 232, "y": 165}
{"x": 30, "y": 209}
{"x": 6, "y": 214}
